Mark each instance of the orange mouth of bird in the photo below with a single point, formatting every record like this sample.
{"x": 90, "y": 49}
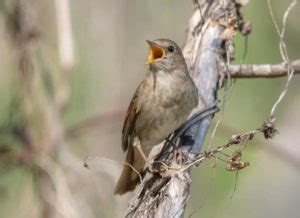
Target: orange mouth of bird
{"x": 155, "y": 54}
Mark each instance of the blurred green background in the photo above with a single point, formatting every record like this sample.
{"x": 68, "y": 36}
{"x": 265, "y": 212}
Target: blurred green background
{"x": 110, "y": 55}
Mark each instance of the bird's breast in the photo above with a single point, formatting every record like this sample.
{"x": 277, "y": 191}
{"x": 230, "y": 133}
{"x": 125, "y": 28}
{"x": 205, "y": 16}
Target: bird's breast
{"x": 165, "y": 105}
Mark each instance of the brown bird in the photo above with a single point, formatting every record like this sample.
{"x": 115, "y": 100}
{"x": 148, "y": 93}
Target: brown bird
{"x": 161, "y": 104}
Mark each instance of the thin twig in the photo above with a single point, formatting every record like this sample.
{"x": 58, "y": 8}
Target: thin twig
{"x": 135, "y": 170}
{"x": 102, "y": 164}
{"x": 234, "y": 140}
{"x": 283, "y": 51}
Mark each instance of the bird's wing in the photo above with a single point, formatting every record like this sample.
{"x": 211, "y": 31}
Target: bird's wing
{"x": 131, "y": 116}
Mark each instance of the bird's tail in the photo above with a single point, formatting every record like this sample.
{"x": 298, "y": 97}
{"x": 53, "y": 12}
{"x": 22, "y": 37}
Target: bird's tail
{"x": 130, "y": 175}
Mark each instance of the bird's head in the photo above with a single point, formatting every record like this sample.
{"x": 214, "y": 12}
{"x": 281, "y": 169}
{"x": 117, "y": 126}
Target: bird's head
{"x": 165, "y": 54}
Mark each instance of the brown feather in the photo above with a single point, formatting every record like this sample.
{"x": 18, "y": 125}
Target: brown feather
{"x": 131, "y": 116}
{"x": 129, "y": 177}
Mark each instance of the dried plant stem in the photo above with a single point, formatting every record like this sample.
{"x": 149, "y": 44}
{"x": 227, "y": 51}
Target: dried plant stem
{"x": 66, "y": 51}
{"x": 263, "y": 70}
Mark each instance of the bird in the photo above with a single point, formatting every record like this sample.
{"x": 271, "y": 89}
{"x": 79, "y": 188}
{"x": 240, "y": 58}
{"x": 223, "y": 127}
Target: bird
{"x": 161, "y": 103}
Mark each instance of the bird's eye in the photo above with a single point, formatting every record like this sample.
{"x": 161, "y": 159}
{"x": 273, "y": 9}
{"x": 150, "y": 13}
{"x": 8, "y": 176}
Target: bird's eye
{"x": 171, "y": 48}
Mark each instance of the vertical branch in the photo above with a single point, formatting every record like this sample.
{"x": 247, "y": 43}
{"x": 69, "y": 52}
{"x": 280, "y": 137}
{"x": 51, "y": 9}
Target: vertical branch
{"x": 202, "y": 52}
{"x": 66, "y": 50}
{"x": 64, "y": 31}
{"x": 203, "y": 66}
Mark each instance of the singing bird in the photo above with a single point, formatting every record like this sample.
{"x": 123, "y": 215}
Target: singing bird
{"x": 161, "y": 103}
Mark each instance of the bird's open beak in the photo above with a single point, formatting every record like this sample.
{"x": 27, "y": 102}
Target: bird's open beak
{"x": 156, "y": 52}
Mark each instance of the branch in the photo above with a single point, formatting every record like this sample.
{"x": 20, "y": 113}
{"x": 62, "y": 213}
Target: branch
{"x": 66, "y": 52}
{"x": 234, "y": 163}
{"x": 263, "y": 70}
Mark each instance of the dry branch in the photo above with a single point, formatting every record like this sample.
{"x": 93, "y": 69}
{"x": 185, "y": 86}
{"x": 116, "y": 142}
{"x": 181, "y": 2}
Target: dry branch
{"x": 66, "y": 51}
{"x": 263, "y": 70}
